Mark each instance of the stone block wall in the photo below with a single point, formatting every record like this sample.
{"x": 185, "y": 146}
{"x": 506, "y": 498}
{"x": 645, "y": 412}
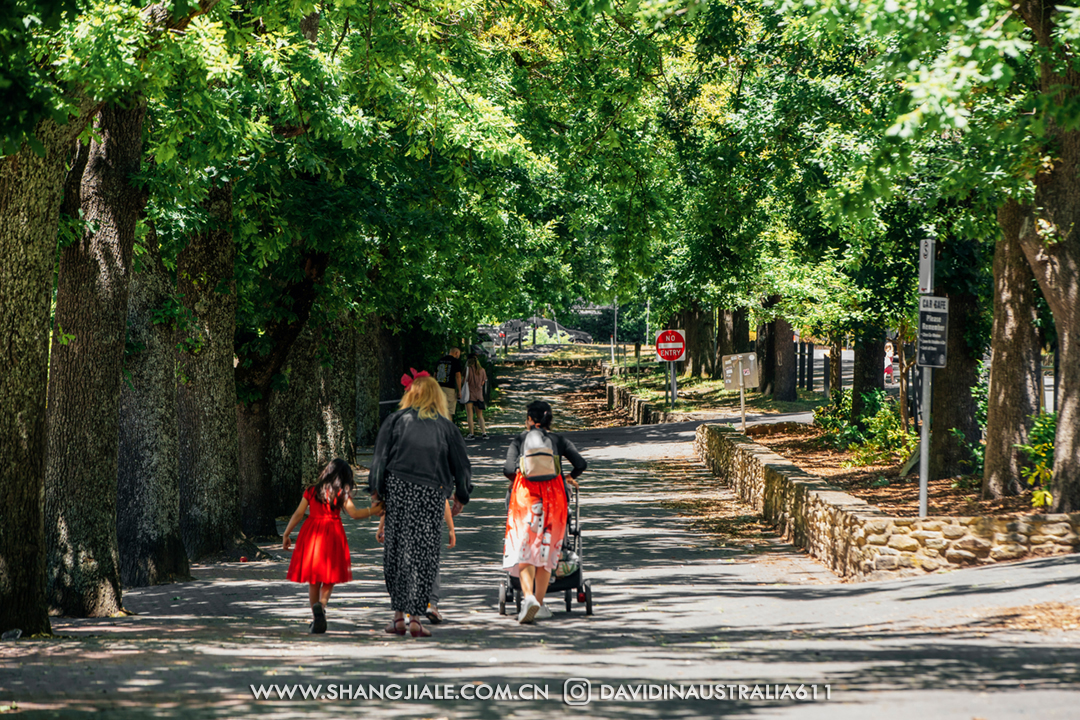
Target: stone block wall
{"x": 642, "y": 412}
{"x": 858, "y": 540}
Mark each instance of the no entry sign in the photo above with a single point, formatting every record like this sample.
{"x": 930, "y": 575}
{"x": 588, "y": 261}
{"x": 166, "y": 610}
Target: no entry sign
{"x": 670, "y": 345}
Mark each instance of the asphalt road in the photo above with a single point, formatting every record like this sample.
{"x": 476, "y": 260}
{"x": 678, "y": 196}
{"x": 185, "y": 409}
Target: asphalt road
{"x": 674, "y": 611}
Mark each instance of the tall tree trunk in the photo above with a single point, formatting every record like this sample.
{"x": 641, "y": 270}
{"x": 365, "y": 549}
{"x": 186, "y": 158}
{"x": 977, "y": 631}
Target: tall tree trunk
{"x": 1014, "y": 360}
{"x": 725, "y": 336}
{"x": 766, "y": 352}
{"x": 257, "y": 516}
{"x": 391, "y": 364}
{"x": 1050, "y": 238}
{"x": 868, "y": 370}
{"x": 148, "y": 486}
{"x": 785, "y": 379}
{"x": 255, "y": 374}
{"x": 85, "y": 370}
{"x": 836, "y": 369}
{"x": 31, "y": 188}
{"x": 336, "y": 416}
{"x": 953, "y": 404}
{"x": 698, "y": 326}
{"x": 740, "y": 331}
{"x": 206, "y": 392}
{"x": 368, "y": 372}
{"x": 290, "y": 453}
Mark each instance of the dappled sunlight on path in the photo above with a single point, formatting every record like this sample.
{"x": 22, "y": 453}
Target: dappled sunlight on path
{"x": 674, "y": 604}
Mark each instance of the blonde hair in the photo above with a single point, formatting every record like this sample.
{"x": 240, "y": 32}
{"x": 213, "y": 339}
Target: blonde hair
{"x": 427, "y": 397}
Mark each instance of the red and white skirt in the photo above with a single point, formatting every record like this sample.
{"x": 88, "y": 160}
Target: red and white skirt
{"x": 535, "y": 524}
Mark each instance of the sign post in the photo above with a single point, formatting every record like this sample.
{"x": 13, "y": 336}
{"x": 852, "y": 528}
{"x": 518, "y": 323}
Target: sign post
{"x": 926, "y": 266}
{"x": 933, "y": 336}
{"x": 671, "y": 347}
{"x": 741, "y": 371}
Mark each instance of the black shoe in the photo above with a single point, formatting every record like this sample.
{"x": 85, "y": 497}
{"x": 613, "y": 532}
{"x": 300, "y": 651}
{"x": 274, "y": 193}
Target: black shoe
{"x": 318, "y": 625}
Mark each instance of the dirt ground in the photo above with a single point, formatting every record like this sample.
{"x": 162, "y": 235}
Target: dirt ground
{"x": 881, "y": 485}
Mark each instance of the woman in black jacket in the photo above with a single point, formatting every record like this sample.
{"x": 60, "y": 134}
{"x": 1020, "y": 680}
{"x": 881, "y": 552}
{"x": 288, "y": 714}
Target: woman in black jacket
{"x": 420, "y": 461}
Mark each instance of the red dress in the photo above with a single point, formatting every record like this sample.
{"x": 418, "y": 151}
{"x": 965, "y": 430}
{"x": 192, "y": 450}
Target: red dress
{"x": 321, "y": 554}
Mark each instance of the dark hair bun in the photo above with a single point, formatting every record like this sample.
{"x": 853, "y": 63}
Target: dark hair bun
{"x": 540, "y": 413}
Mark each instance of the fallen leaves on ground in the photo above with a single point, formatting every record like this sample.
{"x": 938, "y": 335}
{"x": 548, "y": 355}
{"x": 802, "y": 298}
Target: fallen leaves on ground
{"x": 1040, "y": 616}
{"x": 881, "y": 485}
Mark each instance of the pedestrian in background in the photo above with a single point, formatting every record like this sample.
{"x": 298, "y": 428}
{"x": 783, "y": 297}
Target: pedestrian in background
{"x": 448, "y": 373}
{"x": 475, "y": 381}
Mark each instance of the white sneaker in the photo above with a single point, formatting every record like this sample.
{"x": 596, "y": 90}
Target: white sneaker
{"x": 529, "y": 608}
{"x": 544, "y": 613}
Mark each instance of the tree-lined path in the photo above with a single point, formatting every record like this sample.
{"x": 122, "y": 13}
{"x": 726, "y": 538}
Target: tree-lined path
{"x": 672, "y": 606}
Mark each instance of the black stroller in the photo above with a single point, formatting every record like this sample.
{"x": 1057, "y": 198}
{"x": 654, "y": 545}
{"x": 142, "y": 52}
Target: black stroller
{"x": 570, "y": 583}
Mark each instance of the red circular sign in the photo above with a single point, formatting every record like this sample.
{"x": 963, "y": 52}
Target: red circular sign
{"x": 670, "y": 345}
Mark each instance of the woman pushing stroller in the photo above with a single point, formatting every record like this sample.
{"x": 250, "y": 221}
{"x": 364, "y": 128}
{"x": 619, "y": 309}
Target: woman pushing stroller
{"x": 537, "y": 507}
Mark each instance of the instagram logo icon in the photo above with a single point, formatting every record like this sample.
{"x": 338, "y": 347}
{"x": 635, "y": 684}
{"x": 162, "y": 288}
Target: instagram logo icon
{"x": 577, "y": 691}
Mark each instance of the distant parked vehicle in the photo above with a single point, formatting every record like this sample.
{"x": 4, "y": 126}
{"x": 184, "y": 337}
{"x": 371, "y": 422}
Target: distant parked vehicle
{"x": 512, "y": 332}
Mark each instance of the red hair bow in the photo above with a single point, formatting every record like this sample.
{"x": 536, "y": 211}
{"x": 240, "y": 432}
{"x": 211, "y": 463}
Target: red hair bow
{"x": 407, "y": 381}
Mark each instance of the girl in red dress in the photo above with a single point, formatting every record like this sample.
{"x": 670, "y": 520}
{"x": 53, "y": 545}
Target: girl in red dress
{"x": 321, "y": 558}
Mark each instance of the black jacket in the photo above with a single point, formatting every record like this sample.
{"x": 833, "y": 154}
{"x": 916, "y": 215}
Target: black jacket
{"x": 425, "y": 452}
{"x": 563, "y": 447}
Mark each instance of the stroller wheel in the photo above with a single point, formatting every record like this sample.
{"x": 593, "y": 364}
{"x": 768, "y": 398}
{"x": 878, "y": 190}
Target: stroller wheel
{"x": 502, "y": 596}
{"x": 517, "y": 600}
{"x": 588, "y": 598}
{"x": 569, "y": 597}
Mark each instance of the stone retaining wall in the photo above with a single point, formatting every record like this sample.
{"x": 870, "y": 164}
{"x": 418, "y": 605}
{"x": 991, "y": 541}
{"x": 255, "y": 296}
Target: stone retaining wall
{"x": 860, "y": 541}
{"x": 642, "y": 412}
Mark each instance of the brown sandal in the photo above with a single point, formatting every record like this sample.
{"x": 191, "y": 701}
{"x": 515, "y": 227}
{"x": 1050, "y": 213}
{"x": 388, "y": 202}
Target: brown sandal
{"x": 422, "y": 632}
{"x": 396, "y": 627}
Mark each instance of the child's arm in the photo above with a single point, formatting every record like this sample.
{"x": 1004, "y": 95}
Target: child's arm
{"x": 380, "y": 534}
{"x": 359, "y": 513}
{"x": 449, "y": 517}
{"x": 297, "y": 516}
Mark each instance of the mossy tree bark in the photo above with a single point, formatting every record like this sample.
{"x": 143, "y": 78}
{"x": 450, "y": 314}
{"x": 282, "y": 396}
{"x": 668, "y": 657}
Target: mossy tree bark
{"x": 148, "y": 486}
{"x": 368, "y": 372}
{"x": 31, "y": 188}
{"x": 85, "y": 371}
{"x": 206, "y": 391}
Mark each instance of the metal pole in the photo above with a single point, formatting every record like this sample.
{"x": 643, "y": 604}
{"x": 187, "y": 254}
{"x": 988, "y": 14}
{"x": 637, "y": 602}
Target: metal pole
{"x": 742, "y": 397}
{"x": 924, "y": 442}
{"x": 615, "y": 333}
{"x": 674, "y": 386}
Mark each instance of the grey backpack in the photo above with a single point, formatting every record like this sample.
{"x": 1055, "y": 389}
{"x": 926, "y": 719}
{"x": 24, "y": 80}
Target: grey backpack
{"x": 539, "y": 461}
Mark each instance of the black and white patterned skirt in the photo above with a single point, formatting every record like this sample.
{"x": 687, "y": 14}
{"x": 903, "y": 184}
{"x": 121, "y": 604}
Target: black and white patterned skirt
{"x": 414, "y": 519}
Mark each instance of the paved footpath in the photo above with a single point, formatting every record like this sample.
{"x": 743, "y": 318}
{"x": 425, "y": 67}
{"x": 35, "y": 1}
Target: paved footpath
{"x": 674, "y": 610}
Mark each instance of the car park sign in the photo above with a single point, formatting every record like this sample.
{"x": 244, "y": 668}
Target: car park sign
{"x": 670, "y": 345}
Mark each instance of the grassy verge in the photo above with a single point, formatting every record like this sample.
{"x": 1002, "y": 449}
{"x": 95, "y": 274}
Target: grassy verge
{"x": 706, "y": 394}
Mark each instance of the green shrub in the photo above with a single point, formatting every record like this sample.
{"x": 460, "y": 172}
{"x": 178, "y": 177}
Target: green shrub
{"x": 883, "y": 438}
{"x": 1040, "y": 451}
{"x": 835, "y": 419}
{"x": 981, "y": 395}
